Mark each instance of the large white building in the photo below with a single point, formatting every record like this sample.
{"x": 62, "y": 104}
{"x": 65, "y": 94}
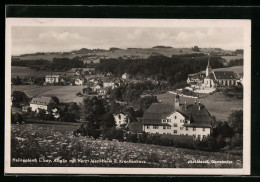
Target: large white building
{"x": 178, "y": 119}
{"x": 41, "y": 103}
{"x": 52, "y": 78}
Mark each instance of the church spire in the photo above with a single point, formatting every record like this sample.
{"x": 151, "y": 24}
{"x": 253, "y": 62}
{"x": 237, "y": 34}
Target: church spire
{"x": 208, "y": 69}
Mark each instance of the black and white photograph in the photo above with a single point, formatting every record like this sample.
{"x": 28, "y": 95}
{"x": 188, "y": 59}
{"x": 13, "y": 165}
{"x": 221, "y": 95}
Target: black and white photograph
{"x": 127, "y": 96}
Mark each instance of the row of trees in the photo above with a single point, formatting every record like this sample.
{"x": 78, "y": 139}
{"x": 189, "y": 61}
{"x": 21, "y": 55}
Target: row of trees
{"x": 174, "y": 69}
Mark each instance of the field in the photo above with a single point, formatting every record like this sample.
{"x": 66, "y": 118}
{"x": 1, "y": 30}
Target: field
{"x": 64, "y": 93}
{"x": 141, "y": 53}
{"x": 217, "y": 104}
{"x": 53, "y": 145}
{"x": 23, "y": 72}
{"x": 228, "y": 58}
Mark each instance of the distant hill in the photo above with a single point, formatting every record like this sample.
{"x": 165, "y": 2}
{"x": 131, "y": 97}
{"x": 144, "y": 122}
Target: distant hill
{"x": 163, "y": 47}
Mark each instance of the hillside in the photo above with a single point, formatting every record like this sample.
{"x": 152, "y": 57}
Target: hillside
{"x": 55, "y": 141}
{"x": 86, "y": 54}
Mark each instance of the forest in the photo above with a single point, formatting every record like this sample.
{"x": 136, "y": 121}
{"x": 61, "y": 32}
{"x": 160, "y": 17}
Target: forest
{"x": 174, "y": 69}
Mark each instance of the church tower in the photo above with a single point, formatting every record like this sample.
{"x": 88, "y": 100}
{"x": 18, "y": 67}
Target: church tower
{"x": 208, "y": 69}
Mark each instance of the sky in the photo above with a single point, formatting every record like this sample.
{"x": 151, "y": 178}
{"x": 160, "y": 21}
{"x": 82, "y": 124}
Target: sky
{"x": 54, "y": 39}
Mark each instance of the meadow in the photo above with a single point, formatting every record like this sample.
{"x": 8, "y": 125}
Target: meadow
{"x": 52, "y": 145}
{"x": 217, "y": 104}
{"x": 64, "y": 93}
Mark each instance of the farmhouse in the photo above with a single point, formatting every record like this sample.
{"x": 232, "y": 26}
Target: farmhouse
{"x": 52, "y": 78}
{"x": 41, "y": 103}
{"x": 178, "y": 119}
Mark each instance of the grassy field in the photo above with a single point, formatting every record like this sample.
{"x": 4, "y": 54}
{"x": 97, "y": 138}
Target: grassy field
{"x": 228, "y": 58}
{"x": 64, "y": 93}
{"x": 217, "y": 104}
{"x": 23, "y": 72}
{"x": 236, "y": 69}
{"x": 56, "y": 145}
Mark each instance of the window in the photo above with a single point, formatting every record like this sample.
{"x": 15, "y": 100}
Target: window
{"x": 194, "y": 129}
{"x": 155, "y": 127}
{"x": 187, "y": 128}
{"x": 175, "y": 131}
{"x": 204, "y": 136}
{"x": 186, "y": 134}
{"x": 168, "y": 120}
{"x": 168, "y": 127}
{"x": 181, "y": 128}
{"x": 163, "y": 120}
{"x": 119, "y": 116}
{"x": 164, "y": 127}
{"x": 203, "y": 129}
{"x": 157, "y": 132}
{"x": 175, "y": 117}
{"x": 148, "y": 127}
{"x": 175, "y": 125}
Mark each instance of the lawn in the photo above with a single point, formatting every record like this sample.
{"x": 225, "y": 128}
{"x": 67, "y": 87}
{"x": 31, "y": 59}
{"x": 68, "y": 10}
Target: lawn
{"x": 217, "y": 104}
{"x": 64, "y": 93}
{"x": 55, "y": 146}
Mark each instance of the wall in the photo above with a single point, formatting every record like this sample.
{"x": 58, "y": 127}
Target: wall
{"x": 36, "y": 106}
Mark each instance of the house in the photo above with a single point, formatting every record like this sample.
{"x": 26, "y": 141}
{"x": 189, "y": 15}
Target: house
{"x": 178, "y": 119}
{"x": 26, "y": 108}
{"x": 102, "y": 91}
{"x": 78, "y": 81}
{"x": 52, "y": 79}
{"x": 96, "y": 88}
{"x": 109, "y": 84}
{"x": 125, "y": 76}
{"x": 41, "y": 103}
{"x": 196, "y": 78}
{"x": 121, "y": 119}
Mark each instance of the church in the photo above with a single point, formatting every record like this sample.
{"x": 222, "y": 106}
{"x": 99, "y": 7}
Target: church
{"x": 211, "y": 78}
{"x": 219, "y": 78}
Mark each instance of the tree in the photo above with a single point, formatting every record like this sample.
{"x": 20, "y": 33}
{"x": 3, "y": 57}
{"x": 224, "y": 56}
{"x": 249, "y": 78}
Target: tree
{"x": 19, "y": 97}
{"x": 108, "y": 120}
{"x": 18, "y": 118}
{"x": 196, "y": 49}
{"x": 236, "y": 121}
{"x": 56, "y": 99}
{"x": 16, "y": 81}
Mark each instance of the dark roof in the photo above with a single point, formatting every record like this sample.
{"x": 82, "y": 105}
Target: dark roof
{"x": 136, "y": 126}
{"x": 42, "y": 101}
{"x": 225, "y": 75}
{"x": 198, "y": 117}
{"x": 211, "y": 76}
{"x": 157, "y": 111}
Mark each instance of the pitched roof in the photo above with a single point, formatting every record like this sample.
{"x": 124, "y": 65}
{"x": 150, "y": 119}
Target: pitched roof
{"x": 136, "y": 126}
{"x": 53, "y": 76}
{"x": 225, "y": 75}
{"x": 42, "y": 101}
{"x": 210, "y": 76}
{"x": 198, "y": 117}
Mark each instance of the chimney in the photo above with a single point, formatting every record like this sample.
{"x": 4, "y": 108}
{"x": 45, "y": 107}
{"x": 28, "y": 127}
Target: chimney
{"x": 185, "y": 105}
{"x": 199, "y": 105}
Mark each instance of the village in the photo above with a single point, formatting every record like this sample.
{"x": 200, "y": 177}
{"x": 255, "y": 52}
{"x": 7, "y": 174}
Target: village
{"x": 179, "y": 120}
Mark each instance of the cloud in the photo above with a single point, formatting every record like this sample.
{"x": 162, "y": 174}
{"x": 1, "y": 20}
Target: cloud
{"x": 59, "y": 36}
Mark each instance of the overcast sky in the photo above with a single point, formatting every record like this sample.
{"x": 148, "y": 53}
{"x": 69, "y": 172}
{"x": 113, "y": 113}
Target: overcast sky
{"x": 52, "y": 39}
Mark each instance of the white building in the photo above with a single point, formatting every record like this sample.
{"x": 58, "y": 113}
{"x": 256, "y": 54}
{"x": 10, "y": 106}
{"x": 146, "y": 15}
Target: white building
{"x": 108, "y": 84}
{"x": 41, "y": 103}
{"x": 178, "y": 119}
{"x": 125, "y": 76}
{"x": 52, "y": 78}
{"x": 121, "y": 119}
{"x": 78, "y": 82}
